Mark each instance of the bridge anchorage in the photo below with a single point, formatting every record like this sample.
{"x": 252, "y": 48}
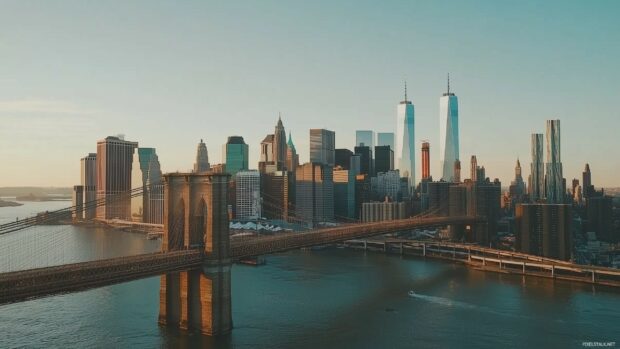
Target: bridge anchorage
{"x": 196, "y": 217}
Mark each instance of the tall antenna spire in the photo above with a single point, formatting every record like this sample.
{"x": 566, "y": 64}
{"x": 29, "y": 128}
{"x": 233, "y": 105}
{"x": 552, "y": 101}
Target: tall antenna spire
{"x": 405, "y": 90}
{"x": 448, "y": 83}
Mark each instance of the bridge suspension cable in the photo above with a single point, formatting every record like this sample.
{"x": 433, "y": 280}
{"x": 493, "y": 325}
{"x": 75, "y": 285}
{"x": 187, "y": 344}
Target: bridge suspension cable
{"x": 53, "y": 216}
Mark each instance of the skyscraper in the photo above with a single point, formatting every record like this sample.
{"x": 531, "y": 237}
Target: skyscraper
{"x": 202, "y": 158}
{"x": 292, "y": 158}
{"x": 386, "y": 185}
{"x": 154, "y": 212}
{"x": 365, "y": 154}
{"x": 544, "y": 230}
{"x": 473, "y": 172}
{"x": 344, "y": 192}
{"x": 588, "y": 189}
{"x": 248, "y": 200}
{"x": 599, "y": 210}
{"x": 322, "y": 146}
{"x": 314, "y": 193}
{"x": 139, "y": 176}
{"x": 236, "y": 155}
{"x": 404, "y": 153}
{"x": 88, "y": 169}
{"x": 78, "y": 202}
{"x": 114, "y": 161}
{"x": 449, "y": 133}
{"x": 279, "y": 146}
{"x": 384, "y": 159}
{"x": 537, "y": 178}
{"x": 553, "y": 176}
{"x": 456, "y": 178}
{"x": 517, "y": 188}
{"x": 273, "y": 150}
{"x": 385, "y": 138}
{"x": 275, "y": 190}
{"x": 343, "y": 158}
{"x": 365, "y": 137}
{"x": 426, "y": 160}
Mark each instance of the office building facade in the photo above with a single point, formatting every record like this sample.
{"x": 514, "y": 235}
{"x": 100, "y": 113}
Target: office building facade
{"x": 384, "y": 159}
{"x": 114, "y": 163}
{"x": 314, "y": 193}
{"x": 383, "y": 211}
{"x": 248, "y": 199}
{"x": 343, "y": 158}
{"x": 544, "y": 230}
{"x": 365, "y": 154}
{"x": 322, "y": 146}
{"x": 236, "y": 153}
{"x": 275, "y": 194}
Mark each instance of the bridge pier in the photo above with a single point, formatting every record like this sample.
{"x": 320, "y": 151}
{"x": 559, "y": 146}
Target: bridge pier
{"x": 196, "y": 217}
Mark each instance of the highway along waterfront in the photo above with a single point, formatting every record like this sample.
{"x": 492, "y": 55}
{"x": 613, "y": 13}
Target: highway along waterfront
{"x": 331, "y": 297}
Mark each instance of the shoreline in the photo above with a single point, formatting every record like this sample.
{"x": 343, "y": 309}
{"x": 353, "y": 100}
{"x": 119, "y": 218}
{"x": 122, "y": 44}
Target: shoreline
{"x": 4, "y": 203}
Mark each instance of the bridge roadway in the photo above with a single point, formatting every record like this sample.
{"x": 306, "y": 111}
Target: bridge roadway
{"x": 290, "y": 241}
{"x": 21, "y": 285}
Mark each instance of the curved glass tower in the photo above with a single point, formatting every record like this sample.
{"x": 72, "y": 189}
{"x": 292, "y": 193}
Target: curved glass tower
{"x": 449, "y": 133}
{"x": 554, "y": 178}
{"x": 404, "y": 154}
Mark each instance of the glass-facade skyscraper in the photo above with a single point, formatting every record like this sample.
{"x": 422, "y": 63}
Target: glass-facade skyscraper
{"x": 236, "y": 155}
{"x": 553, "y": 176}
{"x": 537, "y": 174}
{"x": 404, "y": 153}
{"x": 365, "y": 138}
{"x": 385, "y": 138}
{"x": 322, "y": 146}
{"x": 139, "y": 176}
{"x": 448, "y": 134}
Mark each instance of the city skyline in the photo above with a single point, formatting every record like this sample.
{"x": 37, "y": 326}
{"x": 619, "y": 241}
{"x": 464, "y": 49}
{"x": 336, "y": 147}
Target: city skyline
{"x": 509, "y": 97}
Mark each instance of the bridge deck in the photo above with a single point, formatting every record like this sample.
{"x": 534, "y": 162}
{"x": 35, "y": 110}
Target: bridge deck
{"x": 20, "y": 285}
{"x": 285, "y": 242}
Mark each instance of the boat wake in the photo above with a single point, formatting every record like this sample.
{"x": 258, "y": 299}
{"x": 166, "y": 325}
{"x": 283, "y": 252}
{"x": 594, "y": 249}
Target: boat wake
{"x": 442, "y": 301}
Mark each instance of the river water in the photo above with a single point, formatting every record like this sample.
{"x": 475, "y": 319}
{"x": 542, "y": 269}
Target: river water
{"x": 332, "y": 298}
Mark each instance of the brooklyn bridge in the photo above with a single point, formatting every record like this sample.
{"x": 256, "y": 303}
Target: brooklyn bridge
{"x": 197, "y": 253}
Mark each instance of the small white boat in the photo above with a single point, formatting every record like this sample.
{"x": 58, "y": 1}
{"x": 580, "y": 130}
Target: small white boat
{"x": 412, "y": 294}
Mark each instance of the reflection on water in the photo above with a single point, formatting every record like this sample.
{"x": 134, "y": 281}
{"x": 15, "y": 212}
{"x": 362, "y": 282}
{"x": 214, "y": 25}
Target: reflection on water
{"x": 326, "y": 299}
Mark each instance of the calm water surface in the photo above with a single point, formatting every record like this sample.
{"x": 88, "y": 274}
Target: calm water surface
{"x": 321, "y": 299}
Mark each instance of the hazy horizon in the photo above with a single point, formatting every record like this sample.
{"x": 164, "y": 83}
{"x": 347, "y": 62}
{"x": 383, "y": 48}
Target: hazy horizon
{"x": 168, "y": 74}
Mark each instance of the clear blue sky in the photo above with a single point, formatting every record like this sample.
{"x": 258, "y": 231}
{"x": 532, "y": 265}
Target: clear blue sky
{"x": 166, "y": 74}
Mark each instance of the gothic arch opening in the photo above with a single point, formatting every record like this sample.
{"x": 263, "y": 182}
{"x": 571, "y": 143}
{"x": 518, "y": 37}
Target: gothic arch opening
{"x": 199, "y": 224}
{"x": 177, "y": 227}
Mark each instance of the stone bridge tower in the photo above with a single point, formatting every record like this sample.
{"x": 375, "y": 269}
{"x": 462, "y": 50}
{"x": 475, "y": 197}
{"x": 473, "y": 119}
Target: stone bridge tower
{"x": 196, "y": 217}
